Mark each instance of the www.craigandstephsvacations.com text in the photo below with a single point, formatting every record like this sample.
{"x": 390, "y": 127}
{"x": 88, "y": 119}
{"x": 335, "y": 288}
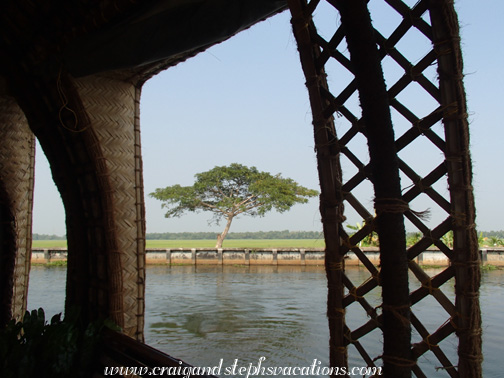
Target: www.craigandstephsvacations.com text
{"x": 249, "y": 370}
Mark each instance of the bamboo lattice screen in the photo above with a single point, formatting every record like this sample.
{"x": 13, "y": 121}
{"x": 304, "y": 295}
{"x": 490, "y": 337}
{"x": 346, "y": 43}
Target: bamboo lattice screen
{"x": 418, "y": 47}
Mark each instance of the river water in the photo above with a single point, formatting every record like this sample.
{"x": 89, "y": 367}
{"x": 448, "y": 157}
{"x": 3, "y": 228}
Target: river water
{"x": 211, "y": 315}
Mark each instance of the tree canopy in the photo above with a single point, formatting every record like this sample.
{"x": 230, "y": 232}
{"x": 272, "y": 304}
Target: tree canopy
{"x": 228, "y": 191}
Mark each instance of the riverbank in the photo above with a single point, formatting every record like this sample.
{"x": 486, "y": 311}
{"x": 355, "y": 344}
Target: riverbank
{"x": 263, "y": 256}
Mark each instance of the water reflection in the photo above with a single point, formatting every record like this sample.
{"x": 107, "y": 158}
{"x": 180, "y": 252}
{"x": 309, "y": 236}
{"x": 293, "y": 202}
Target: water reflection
{"x": 238, "y": 312}
{"x": 207, "y": 313}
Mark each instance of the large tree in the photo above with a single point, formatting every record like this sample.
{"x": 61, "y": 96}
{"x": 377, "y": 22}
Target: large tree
{"x": 233, "y": 190}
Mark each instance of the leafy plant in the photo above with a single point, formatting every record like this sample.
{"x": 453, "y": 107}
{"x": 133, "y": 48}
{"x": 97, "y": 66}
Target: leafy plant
{"x": 371, "y": 240}
{"x": 448, "y": 239}
{"x": 62, "y": 348}
{"x": 413, "y": 238}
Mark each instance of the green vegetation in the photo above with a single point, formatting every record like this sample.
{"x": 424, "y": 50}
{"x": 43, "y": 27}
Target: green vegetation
{"x": 52, "y": 263}
{"x": 227, "y": 192}
{"x": 264, "y": 239}
{"x": 47, "y": 237}
{"x": 210, "y": 243}
{"x": 49, "y": 243}
{"x": 489, "y": 267}
{"x": 489, "y": 234}
{"x": 237, "y": 243}
{"x": 63, "y": 348}
{"x": 261, "y": 235}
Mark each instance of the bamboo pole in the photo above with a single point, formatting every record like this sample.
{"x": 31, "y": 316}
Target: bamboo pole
{"x": 330, "y": 176}
{"x": 466, "y": 259}
{"x": 389, "y": 205}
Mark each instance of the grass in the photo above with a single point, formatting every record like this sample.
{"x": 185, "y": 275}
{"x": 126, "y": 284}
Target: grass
{"x": 49, "y": 244}
{"x": 238, "y": 243}
{"x": 489, "y": 267}
{"x": 52, "y": 263}
{"x": 231, "y": 243}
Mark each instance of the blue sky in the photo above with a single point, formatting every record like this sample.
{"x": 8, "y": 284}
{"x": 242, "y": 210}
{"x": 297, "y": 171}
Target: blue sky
{"x": 245, "y": 101}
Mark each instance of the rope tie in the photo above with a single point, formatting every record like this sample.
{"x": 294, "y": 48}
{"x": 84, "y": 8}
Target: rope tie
{"x": 353, "y": 293}
{"x": 454, "y": 38}
{"x": 428, "y": 285}
{"x": 64, "y": 101}
{"x": 470, "y": 294}
{"x": 346, "y": 242}
{"x": 398, "y": 361}
{"x": 449, "y": 109}
{"x": 376, "y": 276}
{"x": 455, "y": 158}
{"x": 348, "y": 336}
{"x": 465, "y": 330}
{"x": 341, "y": 349}
{"x": 423, "y": 188}
{"x": 466, "y": 264}
{"x": 391, "y": 206}
{"x": 395, "y": 311}
{"x": 451, "y": 76}
{"x": 471, "y": 357}
{"x": 371, "y": 312}
{"x": 414, "y": 73}
{"x": 456, "y": 117}
{"x": 429, "y": 344}
{"x": 335, "y": 266}
{"x": 300, "y": 22}
{"x": 417, "y": 125}
{"x": 445, "y": 367}
{"x": 444, "y": 47}
{"x": 470, "y": 226}
{"x": 340, "y": 311}
{"x": 465, "y": 187}
{"x": 459, "y": 219}
{"x": 428, "y": 236}
{"x": 453, "y": 321}
{"x": 331, "y": 214}
{"x": 313, "y": 80}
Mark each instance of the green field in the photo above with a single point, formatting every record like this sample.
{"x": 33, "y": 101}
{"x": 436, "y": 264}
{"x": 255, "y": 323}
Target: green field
{"x": 49, "y": 244}
{"x": 231, "y": 243}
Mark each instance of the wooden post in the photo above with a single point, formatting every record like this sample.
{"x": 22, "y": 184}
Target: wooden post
{"x": 484, "y": 256}
{"x": 193, "y": 256}
{"x": 247, "y": 256}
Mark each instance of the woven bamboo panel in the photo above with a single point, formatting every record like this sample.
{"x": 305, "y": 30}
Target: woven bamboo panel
{"x": 427, "y": 102}
{"x": 113, "y": 111}
{"x": 17, "y": 158}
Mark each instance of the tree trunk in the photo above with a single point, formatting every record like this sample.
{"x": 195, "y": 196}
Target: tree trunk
{"x": 220, "y": 237}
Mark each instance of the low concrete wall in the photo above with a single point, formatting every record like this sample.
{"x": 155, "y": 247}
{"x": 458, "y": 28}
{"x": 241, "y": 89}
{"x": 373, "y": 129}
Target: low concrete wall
{"x": 236, "y": 256}
{"x": 279, "y": 256}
